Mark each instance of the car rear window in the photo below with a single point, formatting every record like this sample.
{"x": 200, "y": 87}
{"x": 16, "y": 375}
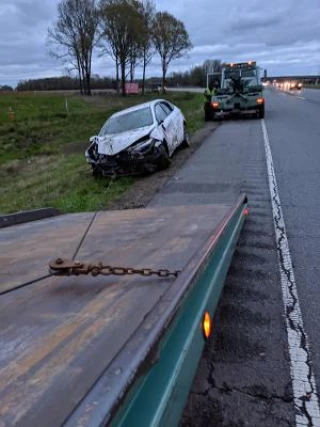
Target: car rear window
{"x": 129, "y": 121}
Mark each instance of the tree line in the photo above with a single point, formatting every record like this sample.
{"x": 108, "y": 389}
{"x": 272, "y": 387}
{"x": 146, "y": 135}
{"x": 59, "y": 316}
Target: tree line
{"x": 64, "y": 83}
{"x": 131, "y": 32}
{"x": 6, "y": 88}
{"x": 195, "y": 76}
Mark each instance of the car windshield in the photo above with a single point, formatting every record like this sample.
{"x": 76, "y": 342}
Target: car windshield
{"x": 129, "y": 121}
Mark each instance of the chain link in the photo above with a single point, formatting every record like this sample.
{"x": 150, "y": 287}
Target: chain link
{"x": 67, "y": 268}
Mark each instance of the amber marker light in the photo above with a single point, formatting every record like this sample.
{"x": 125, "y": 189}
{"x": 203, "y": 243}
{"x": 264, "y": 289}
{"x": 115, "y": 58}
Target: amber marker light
{"x": 260, "y": 101}
{"x": 215, "y": 104}
{"x": 207, "y": 325}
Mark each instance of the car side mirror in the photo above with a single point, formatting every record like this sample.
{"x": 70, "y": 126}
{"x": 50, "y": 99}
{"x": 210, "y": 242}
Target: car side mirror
{"x": 92, "y": 138}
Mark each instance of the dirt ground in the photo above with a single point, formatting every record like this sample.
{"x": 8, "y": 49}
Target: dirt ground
{"x": 143, "y": 190}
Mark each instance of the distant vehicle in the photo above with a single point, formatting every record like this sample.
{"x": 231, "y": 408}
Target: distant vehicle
{"x": 156, "y": 88}
{"x": 295, "y": 85}
{"x": 240, "y": 92}
{"x": 288, "y": 85}
{"x": 138, "y": 140}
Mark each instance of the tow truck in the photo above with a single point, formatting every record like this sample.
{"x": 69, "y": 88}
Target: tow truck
{"x": 104, "y": 315}
{"x": 240, "y": 92}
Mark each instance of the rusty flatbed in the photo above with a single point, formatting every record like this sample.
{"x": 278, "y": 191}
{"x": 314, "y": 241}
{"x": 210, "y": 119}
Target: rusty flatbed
{"x": 70, "y": 347}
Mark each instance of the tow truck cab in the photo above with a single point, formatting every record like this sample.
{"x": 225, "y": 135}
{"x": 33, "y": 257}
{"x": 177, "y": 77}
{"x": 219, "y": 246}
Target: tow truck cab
{"x": 241, "y": 91}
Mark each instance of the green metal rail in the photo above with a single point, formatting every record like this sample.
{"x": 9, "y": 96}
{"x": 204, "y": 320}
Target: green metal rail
{"x": 159, "y": 396}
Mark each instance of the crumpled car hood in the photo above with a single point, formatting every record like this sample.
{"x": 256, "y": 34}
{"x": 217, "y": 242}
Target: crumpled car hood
{"x": 113, "y": 144}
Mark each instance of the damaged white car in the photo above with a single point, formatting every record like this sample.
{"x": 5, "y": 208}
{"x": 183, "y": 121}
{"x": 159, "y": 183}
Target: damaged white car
{"x": 138, "y": 140}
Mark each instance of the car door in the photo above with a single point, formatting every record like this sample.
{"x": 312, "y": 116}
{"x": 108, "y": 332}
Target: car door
{"x": 178, "y": 122}
{"x": 170, "y": 125}
{"x": 165, "y": 124}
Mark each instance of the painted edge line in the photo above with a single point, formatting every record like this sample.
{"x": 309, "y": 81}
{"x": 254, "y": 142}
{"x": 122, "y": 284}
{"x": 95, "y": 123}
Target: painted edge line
{"x": 306, "y": 399}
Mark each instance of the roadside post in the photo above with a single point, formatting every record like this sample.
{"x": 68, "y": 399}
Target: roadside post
{"x": 11, "y": 114}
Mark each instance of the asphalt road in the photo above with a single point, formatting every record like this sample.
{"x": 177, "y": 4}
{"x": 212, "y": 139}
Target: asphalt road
{"x": 295, "y": 144}
{"x": 244, "y": 376}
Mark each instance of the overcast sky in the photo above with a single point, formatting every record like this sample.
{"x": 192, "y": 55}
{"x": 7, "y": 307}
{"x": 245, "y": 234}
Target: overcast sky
{"x": 282, "y": 35}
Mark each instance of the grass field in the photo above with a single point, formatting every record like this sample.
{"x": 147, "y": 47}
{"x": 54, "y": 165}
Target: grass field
{"x": 42, "y": 149}
{"x": 312, "y": 86}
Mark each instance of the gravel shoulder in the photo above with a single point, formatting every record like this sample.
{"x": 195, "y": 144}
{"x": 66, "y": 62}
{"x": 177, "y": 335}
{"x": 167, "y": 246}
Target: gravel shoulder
{"x": 144, "y": 189}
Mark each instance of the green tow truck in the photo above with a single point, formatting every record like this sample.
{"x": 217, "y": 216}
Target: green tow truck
{"x": 104, "y": 315}
{"x": 240, "y": 92}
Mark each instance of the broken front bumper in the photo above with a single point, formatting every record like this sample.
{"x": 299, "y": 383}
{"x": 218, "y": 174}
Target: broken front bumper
{"x": 128, "y": 162}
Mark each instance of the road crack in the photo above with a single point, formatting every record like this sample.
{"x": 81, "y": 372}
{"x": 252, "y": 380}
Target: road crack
{"x": 227, "y": 389}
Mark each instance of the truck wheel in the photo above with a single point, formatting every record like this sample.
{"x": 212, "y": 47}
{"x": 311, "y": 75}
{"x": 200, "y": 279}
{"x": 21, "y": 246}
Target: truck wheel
{"x": 207, "y": 116}
{"x": 261, "y": 112}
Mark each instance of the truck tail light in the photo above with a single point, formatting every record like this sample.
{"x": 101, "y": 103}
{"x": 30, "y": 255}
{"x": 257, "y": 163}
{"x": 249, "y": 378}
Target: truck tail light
{"x": 260, "y": 101}
{"x": 207, "y": 325}
{"x": 215, "y": 104}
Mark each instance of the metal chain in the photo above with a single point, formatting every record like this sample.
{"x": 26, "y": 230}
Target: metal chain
{"x": 67, "y": 268}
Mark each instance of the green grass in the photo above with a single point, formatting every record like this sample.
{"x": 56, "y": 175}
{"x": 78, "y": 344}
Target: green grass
{"x": 312, "y": 86}
{"x": 42, "y": 150}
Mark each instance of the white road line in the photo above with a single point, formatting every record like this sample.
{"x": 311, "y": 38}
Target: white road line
{"x": 301, "y": 97}
{"x": 301, "y": 369}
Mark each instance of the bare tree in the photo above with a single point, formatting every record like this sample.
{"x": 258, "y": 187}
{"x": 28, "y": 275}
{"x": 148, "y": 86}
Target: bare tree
{"x": 121, "y": 30}
{"x": 212, "y": 66}
{"x": 74, "y": 36}
{"x": 148, "y": 14}
{"x": 134, "y": 58}
{"x": 143, "y": 49}
{"x": 109, "y": 39}
{"x": 170, "y": 39}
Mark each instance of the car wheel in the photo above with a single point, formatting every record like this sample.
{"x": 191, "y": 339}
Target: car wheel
{"x": 186, "y": 137}
{"x": 164, "y": 159}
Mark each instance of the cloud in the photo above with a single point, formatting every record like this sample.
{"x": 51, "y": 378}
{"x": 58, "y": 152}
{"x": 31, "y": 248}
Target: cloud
{"x": 281, "y": 35}
{"x": 253, "y": 20}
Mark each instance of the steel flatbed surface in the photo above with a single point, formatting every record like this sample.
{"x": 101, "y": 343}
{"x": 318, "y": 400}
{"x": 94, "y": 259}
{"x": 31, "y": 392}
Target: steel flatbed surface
{"x": 60, "y": 335}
